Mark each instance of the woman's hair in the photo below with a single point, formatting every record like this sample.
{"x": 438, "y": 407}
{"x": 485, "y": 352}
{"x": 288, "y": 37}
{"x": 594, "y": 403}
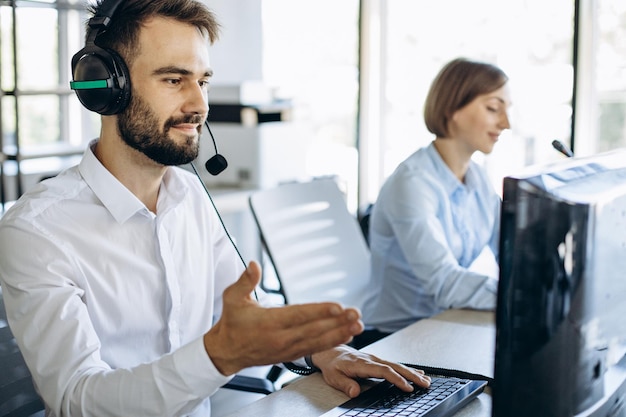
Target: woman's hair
{"x": 458, "y": 83}
{"x": 123, "y": 31}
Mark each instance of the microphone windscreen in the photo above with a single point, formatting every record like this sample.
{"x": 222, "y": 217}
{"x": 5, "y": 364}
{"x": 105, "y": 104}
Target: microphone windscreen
{"x": 216, "y": 164}
{"x": 561, "y": 147}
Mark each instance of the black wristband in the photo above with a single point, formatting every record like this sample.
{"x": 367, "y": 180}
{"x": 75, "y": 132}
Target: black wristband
{"x": 309, "y": 361}
{"x": 302, "y": 370}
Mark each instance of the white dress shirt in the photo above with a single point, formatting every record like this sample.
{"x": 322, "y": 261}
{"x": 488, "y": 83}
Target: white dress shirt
{"x": 109, "y": 301}
{"x": 427, "y": 229}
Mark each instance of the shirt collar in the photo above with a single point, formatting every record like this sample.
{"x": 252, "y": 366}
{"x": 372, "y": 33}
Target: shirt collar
{"x": 173, "y": 190}
{"x": 116, "y": 198}
{"x": 450, "y": 182}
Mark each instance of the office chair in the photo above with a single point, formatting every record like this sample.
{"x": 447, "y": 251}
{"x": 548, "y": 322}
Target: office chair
{"x": 316, "y": 248}
{"x": 254, "y": 384}
{"x": 18, "y": 397}
{"x": 364, "y": 221}
{"x": 314, "y": 243}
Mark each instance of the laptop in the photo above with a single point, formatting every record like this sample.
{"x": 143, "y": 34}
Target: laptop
{"x": 445, "y": 396}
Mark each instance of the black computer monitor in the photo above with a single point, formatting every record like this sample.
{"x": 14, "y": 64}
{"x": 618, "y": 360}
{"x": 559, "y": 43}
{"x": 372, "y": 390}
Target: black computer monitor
{"x": 561, "y": 311}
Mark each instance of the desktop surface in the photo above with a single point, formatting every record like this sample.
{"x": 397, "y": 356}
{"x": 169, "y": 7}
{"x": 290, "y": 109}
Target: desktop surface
{"x": 455, "y": 339}
{"x": 444, "y": 397}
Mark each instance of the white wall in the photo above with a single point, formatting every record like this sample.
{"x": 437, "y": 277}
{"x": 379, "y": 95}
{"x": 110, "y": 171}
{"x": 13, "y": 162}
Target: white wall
{"x": 237, "y": 55}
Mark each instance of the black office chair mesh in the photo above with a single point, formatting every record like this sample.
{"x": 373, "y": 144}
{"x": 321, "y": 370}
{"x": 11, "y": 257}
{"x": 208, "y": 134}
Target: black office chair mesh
{"x": 363, "y": 216}
{"x": 18, "y": 397}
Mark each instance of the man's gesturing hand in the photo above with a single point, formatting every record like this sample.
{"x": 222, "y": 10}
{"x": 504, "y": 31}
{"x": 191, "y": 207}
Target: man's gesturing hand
{"x": 250, "y": 335}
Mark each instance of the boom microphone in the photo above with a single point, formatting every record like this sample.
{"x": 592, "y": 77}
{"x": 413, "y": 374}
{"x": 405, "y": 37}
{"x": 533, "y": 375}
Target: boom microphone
{"x": 217, "y": 163}
{"x": 561, "y": 147}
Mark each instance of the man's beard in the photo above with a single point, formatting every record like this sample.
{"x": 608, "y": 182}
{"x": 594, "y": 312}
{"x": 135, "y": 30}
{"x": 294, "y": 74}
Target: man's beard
{"x": 139, "y": 128}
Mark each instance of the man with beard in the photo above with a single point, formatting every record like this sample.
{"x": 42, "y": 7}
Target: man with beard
{"x": 121, "y": 286}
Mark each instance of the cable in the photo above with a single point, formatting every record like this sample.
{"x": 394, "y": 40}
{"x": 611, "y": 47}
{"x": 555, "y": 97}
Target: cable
{"x": 206, "y": 190}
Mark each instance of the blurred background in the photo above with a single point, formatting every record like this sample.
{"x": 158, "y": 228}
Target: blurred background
{"x": 334, "y": 88}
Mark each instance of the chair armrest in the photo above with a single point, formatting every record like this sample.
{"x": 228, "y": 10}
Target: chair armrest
{"x": 250, "y": 384}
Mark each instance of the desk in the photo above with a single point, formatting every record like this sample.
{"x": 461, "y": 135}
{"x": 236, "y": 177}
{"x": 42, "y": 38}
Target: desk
{"x": 457, "y": 339}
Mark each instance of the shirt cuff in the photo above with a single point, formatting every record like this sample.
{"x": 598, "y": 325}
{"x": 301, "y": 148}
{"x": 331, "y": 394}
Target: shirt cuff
{"x": 202, "y": 376}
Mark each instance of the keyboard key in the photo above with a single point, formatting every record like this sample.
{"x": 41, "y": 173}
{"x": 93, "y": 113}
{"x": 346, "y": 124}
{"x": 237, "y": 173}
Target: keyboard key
{"x": 444, "y": 397}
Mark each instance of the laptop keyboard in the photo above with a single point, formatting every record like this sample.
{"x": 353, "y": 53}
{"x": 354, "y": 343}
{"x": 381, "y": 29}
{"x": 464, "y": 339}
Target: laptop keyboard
{"x": 443, "y": 398}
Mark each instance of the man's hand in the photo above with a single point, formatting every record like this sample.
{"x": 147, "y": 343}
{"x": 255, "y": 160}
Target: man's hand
{"x": 250, "y": 335}
{"x": 341, "y": 366}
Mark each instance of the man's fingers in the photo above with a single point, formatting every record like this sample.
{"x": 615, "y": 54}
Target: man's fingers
{"x": 397, "y": 374}
{"x": 301, "y": 314}
{"x": 347, "y": 385}
{"x": 299, "y": 330}
{"x": 257, "y": 335}
{"x": 310, "y": 325}
{"x": 313, "y": 338}
{"x": 253, "y": 274}
{"x": 246, "y": 283}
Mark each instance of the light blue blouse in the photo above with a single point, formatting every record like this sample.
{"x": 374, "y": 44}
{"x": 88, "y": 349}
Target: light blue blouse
{"x": 426, "y": 230}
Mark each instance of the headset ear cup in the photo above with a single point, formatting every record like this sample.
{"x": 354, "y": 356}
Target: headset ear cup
{"x": 124, "y": 90}
{"x": 95, "y": 63}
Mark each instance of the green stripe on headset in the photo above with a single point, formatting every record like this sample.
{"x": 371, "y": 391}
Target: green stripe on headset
{"x": 87, "y": 85}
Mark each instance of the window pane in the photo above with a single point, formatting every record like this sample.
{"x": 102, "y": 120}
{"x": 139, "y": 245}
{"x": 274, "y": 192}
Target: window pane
{"x": 38, "y": 120}
{"x": 43, "y": 114}
{"x": 310, "y": 55}
{"x": 531, "y": 40}
{"x": 7, "y": 108}
{"x": 611, "y": 74}
{"x": 37, "y": 48}
{"x": 7, "y": 81}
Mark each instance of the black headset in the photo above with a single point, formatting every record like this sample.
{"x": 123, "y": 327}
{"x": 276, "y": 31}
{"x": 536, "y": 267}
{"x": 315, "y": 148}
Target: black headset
{"x": 101, "y": 78}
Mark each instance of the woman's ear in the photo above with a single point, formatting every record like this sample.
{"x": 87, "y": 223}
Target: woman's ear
{"x": 453, "y": 117}
{"x": 452, "y": 123}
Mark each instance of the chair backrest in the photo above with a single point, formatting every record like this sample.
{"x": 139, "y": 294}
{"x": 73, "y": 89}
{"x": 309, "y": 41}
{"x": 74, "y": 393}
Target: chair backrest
{"x": 314, "y": 243}
{"x": 364, "y": 221}
{"x": 18, "y": 397}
